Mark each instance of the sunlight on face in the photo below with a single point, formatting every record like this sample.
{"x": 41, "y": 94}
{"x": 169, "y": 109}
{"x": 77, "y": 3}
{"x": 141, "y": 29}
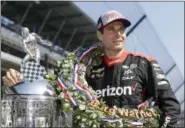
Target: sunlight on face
{"x": 114, "y": 36}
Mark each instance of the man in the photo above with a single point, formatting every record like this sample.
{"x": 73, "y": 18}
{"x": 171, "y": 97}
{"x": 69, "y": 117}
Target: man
{"x": 126, "y": 79}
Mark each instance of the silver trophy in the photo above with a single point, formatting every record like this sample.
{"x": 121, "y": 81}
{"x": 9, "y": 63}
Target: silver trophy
{"x": 30, "y": 66}
{"x": 30, "y": 44}
{"x": 31, "y": 103}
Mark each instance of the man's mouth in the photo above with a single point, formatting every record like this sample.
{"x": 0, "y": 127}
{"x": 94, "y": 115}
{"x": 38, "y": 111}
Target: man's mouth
{"x": 117, "y": 41}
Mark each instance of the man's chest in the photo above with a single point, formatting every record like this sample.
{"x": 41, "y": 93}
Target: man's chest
{"x": 127, "y": 80}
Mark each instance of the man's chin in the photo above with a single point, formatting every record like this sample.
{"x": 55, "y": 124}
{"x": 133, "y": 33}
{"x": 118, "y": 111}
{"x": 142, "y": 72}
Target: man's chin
{"x": 118, "y": 47}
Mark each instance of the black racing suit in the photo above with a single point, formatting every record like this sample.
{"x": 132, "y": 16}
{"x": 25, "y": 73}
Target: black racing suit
{"x": 130, "y": 80}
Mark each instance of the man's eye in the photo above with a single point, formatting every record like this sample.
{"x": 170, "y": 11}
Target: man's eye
{"x": 122, "y": 30}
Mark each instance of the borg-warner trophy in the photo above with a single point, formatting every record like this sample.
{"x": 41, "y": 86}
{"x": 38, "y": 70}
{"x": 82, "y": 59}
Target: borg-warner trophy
{"x": 32, "y": 102}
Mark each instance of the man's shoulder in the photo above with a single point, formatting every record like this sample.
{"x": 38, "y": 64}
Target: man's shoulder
{"x": 141, "y": 56}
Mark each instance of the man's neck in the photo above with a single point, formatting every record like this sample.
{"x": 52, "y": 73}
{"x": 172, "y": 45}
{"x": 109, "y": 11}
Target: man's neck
{"x": 114, "y": 54}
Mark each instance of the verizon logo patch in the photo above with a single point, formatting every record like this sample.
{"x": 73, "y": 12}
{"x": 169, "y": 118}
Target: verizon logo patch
{"x": 114, "y": 91}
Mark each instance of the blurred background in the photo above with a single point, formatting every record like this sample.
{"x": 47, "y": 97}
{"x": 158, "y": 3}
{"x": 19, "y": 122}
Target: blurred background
{"x": 157, "y": 30}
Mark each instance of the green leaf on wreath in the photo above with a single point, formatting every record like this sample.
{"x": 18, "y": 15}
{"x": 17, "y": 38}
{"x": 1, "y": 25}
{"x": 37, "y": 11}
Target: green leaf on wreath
{"x": 75, "y": 94}
{"x": 82, "y": 107}
{"x": 78, "y": 117}
{"x": 83, "y": 98}
{"x": 61, "y": 95}
{"x": 51, "y": 76}
{"x": 59, "y": 63}
{"x": 66, "y": 106}
{"x": 84, "y": 119}
{"x": 89, "y": 111}
{"x": 58, "y": 89}
{"x": 94, "y": 126}
{"x": 93, "y": 116}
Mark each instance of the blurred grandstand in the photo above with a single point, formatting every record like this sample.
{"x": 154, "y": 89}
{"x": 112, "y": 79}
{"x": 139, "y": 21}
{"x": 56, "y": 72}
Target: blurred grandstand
{"x": 62, "y": 23}
{"x": 66, "y": 26}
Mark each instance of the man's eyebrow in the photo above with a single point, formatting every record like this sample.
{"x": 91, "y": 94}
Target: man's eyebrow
{"x": 109, "y": 26}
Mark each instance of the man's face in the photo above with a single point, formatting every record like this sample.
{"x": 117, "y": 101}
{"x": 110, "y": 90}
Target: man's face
{"x": 25, "y": 32}
{"x": 113, "y": 36}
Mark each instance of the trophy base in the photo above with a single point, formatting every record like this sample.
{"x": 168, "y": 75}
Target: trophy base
{"x": 30, "y": 111}
{"x": 31, "y": 104}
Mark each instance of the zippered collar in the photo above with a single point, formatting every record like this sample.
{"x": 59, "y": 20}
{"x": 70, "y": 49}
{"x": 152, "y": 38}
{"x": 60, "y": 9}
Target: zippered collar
{"x": 117, "y": 60}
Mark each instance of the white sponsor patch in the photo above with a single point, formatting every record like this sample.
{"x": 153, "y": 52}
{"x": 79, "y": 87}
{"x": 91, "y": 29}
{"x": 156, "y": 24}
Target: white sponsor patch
{"x": 160, "y": 76}
{"x": 143, "y": 62}
{"x": 99, "y": 75}
{"x": 113, "y": 91}
{"x": 167, "y": 121}
{"x": 162, "y": 82}
{"x": 125, "y": 66}
{"x": 155, "y": 65}
{"x": 98, "y": 70}
{"x": 128, "y": 77}
{"x": 132, "y": 66}
{"x": 157, "y": 69}
{"x": 127, "y": 72}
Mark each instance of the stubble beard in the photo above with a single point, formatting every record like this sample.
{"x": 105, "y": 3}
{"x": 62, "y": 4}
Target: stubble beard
{"x": 114, "y": 49}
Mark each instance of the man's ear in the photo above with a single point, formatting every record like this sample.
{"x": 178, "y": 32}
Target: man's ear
{"x": 99, "y": 35}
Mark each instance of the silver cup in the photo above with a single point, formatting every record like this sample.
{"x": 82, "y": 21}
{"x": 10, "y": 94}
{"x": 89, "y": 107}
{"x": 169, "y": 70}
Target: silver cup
{"x": 31, "y": 104}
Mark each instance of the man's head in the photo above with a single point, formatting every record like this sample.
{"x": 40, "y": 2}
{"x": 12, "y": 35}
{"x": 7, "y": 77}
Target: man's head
{"x": 111, "y": 30}
{"x": 25, "y": 32}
